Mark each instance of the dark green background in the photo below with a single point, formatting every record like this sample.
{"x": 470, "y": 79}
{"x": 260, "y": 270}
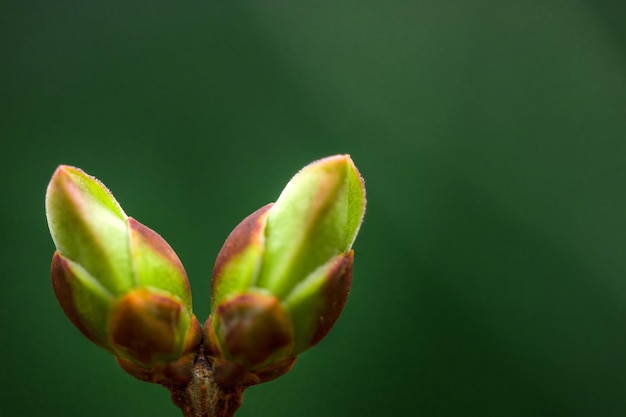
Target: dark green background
{"x": 490, "y": 274}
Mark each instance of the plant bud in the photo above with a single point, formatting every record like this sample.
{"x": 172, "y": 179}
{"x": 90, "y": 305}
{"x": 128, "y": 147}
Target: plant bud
{"x": 118, "y": 281}
{"x": 283, "y": 275}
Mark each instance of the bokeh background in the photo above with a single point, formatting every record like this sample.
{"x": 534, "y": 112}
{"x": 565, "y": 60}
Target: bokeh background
{"x": 490, "y": 274}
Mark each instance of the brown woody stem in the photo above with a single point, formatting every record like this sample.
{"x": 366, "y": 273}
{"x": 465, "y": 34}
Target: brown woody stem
{"x": 202, "y": 397}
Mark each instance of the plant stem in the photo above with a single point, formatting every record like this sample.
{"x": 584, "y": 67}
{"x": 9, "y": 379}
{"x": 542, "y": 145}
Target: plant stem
{"x": 202, "y": 397}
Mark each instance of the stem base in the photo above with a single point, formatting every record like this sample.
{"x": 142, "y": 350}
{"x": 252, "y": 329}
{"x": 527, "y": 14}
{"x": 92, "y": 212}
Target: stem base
{"x": 202, "y": 397}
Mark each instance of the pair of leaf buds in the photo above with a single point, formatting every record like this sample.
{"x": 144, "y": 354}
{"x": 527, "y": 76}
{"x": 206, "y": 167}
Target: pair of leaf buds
{"x": 279, "y": 282}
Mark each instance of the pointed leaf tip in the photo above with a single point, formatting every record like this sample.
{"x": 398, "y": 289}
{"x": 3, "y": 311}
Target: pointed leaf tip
{"x": 316, "y": 217}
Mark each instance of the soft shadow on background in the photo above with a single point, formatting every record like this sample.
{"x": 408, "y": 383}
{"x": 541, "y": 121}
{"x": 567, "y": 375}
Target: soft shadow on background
{"x": 490, "y": 274}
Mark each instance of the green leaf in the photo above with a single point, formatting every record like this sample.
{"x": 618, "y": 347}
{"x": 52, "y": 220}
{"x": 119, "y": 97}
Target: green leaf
{"x": 89, "y": 227}
{"x": 316, "y": 217}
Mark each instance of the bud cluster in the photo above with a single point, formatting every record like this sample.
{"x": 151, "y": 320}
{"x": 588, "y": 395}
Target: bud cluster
{"x": 119, "y": 282}
{"x": 283, "y": 275}
{"x": 279, "y": 283}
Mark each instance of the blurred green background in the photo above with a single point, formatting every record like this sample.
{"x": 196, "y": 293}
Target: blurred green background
{"x": 490, "y": 274}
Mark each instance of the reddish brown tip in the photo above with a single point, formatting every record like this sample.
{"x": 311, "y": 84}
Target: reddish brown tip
{"x": 153, "y": 240}
{"x": 252, "y": 328}
{"x": 336, "y": 293}
{"x": 248, "y": 232}
{"x": 62, "y": 278}
{"x": 145, "y": 326}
